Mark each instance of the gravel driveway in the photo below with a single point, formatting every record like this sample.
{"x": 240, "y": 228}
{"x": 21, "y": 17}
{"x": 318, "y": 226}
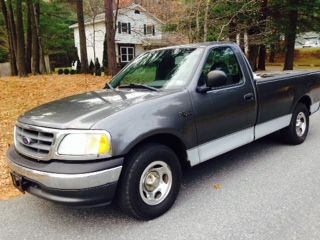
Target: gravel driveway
{"x": 265, "y": 190}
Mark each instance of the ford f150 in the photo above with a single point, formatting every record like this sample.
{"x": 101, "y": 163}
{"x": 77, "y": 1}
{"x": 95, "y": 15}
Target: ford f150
{"x": 168, "y": 108}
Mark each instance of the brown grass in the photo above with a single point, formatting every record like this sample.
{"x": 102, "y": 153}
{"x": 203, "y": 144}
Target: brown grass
{"x": 303, "y": 56}
{"x": 21, "y": 94}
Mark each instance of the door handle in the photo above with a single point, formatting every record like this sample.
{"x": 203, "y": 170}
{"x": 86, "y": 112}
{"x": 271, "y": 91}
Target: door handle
{"x": 248, "y": 97}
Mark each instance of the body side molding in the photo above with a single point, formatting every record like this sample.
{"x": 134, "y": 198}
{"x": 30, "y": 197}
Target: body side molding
{"x": 232, "y": 141}
{"x": 265, "y": 128}
{"x": 219, "y": 146}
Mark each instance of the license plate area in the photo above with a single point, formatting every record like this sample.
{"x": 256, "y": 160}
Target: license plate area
{"x": 18, "y": 182}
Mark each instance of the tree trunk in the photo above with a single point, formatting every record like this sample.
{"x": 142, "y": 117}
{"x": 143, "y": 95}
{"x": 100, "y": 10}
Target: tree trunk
{"x": 246, "y": 43}
{"x": 112, "y": 61}
{"x": 205, "y": 24}
{"x": 272, "y": 55}
{"x": 291, "y": 38}
{"x": 253, "y": 55}
{"x": 82, "y": 37}
{"x": 262, "y": 57}
{"x": 13, "y": 66}
{"x": 35, "y": 68}
{"x": 105, "y": 55}
{"x": 232, "y": 31}
{"x": 262, "y": 50}
{"x": 20, "y": 41}
{"x": 238, "y": 39}
{"x": 12, "y": 26}
{"x": 198, "y": 21}
{"x": 94, "y": 37}
{"x": 36, "y": 13}
{"x": 29, "y": 37}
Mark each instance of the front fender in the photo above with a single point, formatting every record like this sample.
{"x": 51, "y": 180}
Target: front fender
{"x": 137, "y": 122}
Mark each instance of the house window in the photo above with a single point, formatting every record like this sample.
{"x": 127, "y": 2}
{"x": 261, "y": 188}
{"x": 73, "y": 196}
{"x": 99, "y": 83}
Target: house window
{"x": 126, "y": 54}
{"x": 149, "y": 29}
{"x": 124, "y": 27}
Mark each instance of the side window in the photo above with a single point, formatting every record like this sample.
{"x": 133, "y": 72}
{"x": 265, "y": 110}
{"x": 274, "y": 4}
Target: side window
{"x": 223, "y": 59}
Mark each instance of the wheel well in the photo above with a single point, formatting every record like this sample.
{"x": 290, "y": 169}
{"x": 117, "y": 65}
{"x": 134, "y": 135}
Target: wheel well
{"x": 306, "y": 101}
{"x": 170, "y": 141}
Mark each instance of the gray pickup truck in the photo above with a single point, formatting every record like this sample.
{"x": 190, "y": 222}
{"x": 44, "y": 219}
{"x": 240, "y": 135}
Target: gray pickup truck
{"x": 169, "y": 108}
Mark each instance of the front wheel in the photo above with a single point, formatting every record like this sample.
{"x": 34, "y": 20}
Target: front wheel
{"x": 150, "y": 181}
{"x": 298, "y": 129}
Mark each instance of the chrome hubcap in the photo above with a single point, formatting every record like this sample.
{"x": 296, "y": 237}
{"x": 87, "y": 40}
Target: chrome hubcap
{"x": 155, "y": 182}
{"x": 301, "y": 124}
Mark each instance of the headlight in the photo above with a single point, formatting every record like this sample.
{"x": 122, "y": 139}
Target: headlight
{"x": 98, "y": 144}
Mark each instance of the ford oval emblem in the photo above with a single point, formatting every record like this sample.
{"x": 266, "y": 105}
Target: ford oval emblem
{"x": 26, "y": 140}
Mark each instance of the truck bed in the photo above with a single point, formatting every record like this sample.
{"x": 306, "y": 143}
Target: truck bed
{"x": 277, "y": 92}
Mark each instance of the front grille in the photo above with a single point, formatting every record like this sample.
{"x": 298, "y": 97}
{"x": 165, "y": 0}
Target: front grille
{"x": 33, "y": 142}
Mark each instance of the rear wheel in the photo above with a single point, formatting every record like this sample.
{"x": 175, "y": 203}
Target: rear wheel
{"x": 150, "y": 181}
{"x": 298, "y": 129}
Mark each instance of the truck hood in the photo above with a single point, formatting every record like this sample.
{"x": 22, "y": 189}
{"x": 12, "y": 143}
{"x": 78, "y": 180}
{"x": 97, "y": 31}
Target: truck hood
{"x": 84, "y": 110}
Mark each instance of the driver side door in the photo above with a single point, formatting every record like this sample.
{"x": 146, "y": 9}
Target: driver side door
{"x": 224, "y": 116}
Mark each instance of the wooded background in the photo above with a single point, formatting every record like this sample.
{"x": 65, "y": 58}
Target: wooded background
{"x": 31, "y": 29}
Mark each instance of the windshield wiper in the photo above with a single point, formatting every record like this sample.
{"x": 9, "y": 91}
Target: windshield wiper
{"x": 140, "y": 86}
{"x": 109, "y": 86}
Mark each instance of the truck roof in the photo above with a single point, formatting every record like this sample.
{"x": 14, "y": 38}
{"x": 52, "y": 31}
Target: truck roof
{"x": 198, "y": 45}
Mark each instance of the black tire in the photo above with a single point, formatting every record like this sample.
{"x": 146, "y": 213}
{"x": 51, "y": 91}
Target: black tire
{"x": 290, "y": 134}
{"x": 129, "y": 197}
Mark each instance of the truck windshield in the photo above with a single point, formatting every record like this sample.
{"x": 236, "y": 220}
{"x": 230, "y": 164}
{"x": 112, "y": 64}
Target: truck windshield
{"x": 161, "y": 69}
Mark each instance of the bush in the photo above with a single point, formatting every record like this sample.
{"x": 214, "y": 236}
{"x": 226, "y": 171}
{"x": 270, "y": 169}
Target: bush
{"x": 98, "y": 72}
{"x": 91, "y": 67}
{"x": 60, "y": 71}
{"x": 72, "y": 72}
{"x": 66, "y": 71}
{"x": 97, "y": 67}
{"x": 78, "y": 66}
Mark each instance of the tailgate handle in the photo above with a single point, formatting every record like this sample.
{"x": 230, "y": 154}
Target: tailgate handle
{"x": 248, "y": 97}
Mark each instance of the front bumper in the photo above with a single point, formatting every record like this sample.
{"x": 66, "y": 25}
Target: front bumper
{"x": 53, "y": 181}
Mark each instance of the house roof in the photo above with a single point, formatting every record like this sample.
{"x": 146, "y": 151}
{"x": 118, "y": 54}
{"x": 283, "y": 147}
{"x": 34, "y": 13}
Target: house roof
{"x": 133, "y": 6}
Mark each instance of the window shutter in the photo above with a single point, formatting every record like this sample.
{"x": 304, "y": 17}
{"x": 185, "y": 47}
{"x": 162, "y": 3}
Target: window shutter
{"x": 153, "y": 30}
{"x": 119, "y": 27}
{"x": 145, "y": 29}
{"x": 129, "y": 28}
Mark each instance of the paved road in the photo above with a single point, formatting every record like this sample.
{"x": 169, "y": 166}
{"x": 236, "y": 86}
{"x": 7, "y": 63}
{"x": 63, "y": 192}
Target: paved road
{"x": 268, "y": 191}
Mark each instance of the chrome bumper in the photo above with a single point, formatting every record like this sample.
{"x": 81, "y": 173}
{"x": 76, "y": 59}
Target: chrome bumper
{"x": 68, "y": 181}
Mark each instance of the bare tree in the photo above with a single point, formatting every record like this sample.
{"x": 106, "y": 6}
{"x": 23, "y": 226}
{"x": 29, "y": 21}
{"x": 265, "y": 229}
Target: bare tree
{"x": 291, "y": 35}
{"x": 20, "y": 40}
{"x": 262, "y": 50}
{"x": 82, "y": 38}
{"x": 29, "y": 36}
{"x": 35, "y": 66}
{"x": 110, "y": 38}
{"x": 205, "y": 24}
{"x": 36, "y": 15}
{"x": 198, "y": 20}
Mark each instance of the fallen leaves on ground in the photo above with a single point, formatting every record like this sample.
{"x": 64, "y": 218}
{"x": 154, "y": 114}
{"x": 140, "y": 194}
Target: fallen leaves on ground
{"x": 22, "y": 94}
{"x": 217, "y": 186}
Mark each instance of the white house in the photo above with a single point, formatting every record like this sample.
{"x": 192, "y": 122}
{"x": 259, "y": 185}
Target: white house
{"x": 308, "y": 40}
{"x": 137, "y": 30}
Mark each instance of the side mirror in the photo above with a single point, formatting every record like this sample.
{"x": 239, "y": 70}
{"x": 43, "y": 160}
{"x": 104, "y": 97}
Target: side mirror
{"x": 216, "y": 78}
